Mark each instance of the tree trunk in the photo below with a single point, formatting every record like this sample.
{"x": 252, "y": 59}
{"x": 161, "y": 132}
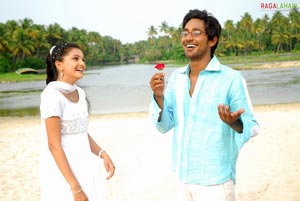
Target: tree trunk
{"x": 278, "y": 47}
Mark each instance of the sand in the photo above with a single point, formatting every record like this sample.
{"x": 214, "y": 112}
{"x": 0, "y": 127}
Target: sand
{"x": 268, "y": 167}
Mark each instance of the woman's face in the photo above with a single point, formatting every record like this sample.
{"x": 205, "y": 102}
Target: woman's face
{"x": 72, "y": 66}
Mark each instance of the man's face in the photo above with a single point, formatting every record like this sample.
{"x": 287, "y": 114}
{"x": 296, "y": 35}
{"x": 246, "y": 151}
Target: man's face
{"x": 194, "y": 40}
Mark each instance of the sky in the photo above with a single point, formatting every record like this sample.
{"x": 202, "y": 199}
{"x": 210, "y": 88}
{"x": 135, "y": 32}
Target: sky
{"x": 128, "y": 20}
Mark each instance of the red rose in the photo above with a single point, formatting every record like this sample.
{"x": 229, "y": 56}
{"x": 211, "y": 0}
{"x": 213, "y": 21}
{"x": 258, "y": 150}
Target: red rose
{"x": 160, "y": 66}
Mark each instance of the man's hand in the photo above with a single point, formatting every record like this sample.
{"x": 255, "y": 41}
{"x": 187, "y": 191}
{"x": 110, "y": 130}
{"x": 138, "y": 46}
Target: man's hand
{"x": 231, "y": 118}
{"x": 157, "y": 84}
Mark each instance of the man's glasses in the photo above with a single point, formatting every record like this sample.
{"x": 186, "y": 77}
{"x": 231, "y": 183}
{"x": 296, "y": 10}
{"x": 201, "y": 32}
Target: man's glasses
{"x": 195, "y": 33}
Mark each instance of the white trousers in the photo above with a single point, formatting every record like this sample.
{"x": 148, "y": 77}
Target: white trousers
{"x": 220, "y": 192}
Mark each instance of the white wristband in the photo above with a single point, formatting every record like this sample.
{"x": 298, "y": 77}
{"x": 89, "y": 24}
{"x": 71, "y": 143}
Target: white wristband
{"x": 100, "y": 153}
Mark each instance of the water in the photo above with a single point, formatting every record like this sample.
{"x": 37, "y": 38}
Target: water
{"x": 125, "y": 88}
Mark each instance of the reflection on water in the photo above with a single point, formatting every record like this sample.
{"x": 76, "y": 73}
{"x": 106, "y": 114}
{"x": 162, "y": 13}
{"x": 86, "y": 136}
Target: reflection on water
{"x": 126, "y": 88}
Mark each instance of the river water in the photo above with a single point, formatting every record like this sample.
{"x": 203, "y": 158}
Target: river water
{"x": 125, "y": 88}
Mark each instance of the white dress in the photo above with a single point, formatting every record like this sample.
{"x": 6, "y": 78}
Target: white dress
{"x": 74, "y": 140}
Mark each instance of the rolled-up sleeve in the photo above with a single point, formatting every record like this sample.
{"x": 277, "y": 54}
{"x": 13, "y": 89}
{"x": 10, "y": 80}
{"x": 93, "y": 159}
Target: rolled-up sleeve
{"x": 242, "y": 99}
{"x": 166, "y": 122}
{"x": 154, "y": 111}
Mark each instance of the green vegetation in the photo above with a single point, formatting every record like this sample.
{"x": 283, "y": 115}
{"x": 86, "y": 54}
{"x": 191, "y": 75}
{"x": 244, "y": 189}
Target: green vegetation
{"x": 25, "y": 44}
{"x": 260, "y": 58}
{"x": 14, "y": 77}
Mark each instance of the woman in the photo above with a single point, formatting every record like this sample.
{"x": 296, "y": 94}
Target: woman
{"x": 67, "y": 169}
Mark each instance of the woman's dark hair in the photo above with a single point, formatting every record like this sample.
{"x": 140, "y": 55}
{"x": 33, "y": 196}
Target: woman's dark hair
{"x": 212, "y": 25}
{"x": 57, "y": 53}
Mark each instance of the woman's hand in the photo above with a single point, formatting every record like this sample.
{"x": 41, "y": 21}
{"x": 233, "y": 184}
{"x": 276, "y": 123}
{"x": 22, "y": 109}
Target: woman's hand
{"x": 108, "y": 164}
{"x": 79, "y": 195}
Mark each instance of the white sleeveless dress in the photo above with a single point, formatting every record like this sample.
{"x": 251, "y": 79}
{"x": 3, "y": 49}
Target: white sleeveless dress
{"x": 74, "y": 139}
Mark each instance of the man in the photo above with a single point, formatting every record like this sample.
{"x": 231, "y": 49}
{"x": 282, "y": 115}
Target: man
{"x": 208, "y": 106}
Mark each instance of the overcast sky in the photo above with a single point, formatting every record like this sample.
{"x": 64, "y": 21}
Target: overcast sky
{"x": 126, "y": 20}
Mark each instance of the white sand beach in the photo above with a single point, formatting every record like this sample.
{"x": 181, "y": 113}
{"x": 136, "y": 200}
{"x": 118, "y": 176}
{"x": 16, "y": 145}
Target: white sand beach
{"x": 268, "y": 167}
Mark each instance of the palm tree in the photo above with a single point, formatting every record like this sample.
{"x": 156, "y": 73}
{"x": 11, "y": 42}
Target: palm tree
{"x": 3, "y": 40}
{"x": 229, "y": 29}
{"x": 21, "y": 37}
{"x": 280, "y": 34}
{"x": 294, "y": 19}
{"x": 79, "y": 36}
{"x": 266, "y": 35}
{"x": 246, "y": 32}
{"x": 164, "y": 28}
{"x": 152, "y": 32}
{"x": 41, "y": 45}
{"x": 259, "y": 29}
{"x": 55, "y": 34}
{"x": 27, "y": 37}
{"x": 175, "y": 35}
{"x": 94, "y": 47}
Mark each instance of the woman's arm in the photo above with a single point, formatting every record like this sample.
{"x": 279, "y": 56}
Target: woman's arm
{"x": 54, "y": 143}
{"x": 97, "y": 150}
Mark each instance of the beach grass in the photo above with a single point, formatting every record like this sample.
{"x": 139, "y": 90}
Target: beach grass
{"x": 14, "y": 77}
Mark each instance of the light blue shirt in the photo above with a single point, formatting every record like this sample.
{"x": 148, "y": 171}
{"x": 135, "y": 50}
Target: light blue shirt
{"x": 205, "y": 149}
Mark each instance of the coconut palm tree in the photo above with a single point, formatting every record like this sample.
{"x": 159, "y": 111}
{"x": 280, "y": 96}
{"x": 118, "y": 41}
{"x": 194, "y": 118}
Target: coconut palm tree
{"x": 21, "y": 40}
{"x": 280, "y": 33}
{"x": 79, "y": 36}
{"x": 3, "y": 39}
{"x": 94, "y": 47}
{"x": 229, "y": 34}
{"x": 152, "y": 32}
{"x": 41, "y": 45}
{"x": 259, "y": 30}
{"x": 55, "y": 34}
{"x": 164, "y": 28}
{"x": 294, "y": 19}
{"x": 246, "y": 32}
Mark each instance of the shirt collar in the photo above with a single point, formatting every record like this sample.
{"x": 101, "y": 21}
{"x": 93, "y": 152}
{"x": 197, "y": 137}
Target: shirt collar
{"x": 213, "y": 65}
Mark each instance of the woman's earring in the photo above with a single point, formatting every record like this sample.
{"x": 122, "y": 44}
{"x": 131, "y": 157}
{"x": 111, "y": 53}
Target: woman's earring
{"x": 61, "y": 75}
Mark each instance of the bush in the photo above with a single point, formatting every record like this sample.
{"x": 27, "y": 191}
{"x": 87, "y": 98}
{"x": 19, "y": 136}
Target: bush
{"x": 5, "y": 65}
{"x": 32, "y": 62}
{"x": 296, "y": 47}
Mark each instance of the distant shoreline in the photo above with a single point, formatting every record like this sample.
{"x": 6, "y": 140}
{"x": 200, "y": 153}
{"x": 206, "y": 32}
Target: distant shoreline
{"x": 14, "y": 77}
{"x": 266, "y": 65}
